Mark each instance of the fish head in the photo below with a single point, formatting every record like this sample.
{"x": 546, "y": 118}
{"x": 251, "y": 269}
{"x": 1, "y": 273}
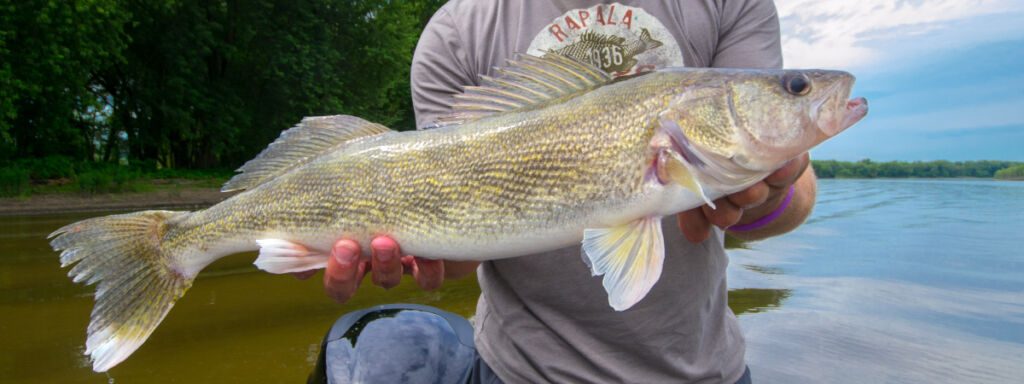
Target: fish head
{"x": 746, "y": 122}
{"x": 785, "y": 113}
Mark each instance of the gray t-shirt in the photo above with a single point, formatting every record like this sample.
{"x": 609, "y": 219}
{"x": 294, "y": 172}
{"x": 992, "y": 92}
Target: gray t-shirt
{"x": 543, "y": 317}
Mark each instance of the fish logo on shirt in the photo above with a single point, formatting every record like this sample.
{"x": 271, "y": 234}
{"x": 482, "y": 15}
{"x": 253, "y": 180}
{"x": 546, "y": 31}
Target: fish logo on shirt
{"x": 613, "y": 54}
{"x": 619, "y": 39}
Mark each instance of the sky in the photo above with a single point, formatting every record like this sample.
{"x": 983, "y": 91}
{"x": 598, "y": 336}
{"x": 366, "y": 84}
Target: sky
{"x": 944, "y": 79}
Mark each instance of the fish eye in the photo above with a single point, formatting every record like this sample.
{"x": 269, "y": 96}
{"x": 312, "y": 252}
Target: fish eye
{"x": 796, "y": 83}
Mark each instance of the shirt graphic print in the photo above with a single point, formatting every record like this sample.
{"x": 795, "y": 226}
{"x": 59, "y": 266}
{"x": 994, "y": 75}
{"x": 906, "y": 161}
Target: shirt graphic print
{"x": 619, "y": 39}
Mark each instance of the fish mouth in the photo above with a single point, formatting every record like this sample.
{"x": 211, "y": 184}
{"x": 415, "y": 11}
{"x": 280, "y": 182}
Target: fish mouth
{"x": 856, "y": 109}
{"x": 836, "y": 111}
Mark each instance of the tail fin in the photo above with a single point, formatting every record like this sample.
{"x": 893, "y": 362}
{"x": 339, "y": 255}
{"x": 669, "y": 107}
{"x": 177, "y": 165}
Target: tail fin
{"x": 649, "y": 42}
{"x": 138, "y": 282}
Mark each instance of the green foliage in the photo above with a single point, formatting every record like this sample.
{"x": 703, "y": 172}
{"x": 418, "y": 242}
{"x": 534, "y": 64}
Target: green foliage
{"x": 1011, "y": 173}
{"x": 50, "y": 167}
{"x": 13, "y": 181}
{"x": 50, "y": 50}
{"x": 195, "y": 84}
{"x": 16, "y": 179}
{"x": 221, "y": 174}
{"x": 61, "y": 173}
{"x": 867, "y": 169}
{"x": 105, "y": 177}
{"x": 94, "y": 182}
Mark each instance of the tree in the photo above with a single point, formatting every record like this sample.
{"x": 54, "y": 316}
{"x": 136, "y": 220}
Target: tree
{"x": 941, "y": 168}
{"x": 49, "y": 49}
{"x": 190, "y": 83}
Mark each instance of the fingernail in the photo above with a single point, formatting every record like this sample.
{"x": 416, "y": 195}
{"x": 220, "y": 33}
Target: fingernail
{"x": 385, "y": 253}
{"x": 345, "y": 253}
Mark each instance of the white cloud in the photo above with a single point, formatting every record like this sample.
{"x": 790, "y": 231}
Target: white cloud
{"x": 847, "y": 34}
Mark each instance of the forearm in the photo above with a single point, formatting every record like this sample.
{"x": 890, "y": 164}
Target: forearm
{"x": 804, "y": 193}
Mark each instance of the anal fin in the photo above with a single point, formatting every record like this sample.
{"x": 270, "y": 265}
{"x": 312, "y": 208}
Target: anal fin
{"x": 630, "y": 257}
{"x": 283, "y": 256}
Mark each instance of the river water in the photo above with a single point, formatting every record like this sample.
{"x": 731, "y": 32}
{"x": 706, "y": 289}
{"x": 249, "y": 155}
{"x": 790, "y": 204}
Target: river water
{"x": 908, "y": 281}
{"x": 888, "y": 281}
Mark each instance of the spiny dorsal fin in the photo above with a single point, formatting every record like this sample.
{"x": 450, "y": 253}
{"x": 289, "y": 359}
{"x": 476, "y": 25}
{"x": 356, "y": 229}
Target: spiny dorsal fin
{"x": 593, "y": 37}
{"x": 299, "y": 145}
{"x": 525, "y": 82}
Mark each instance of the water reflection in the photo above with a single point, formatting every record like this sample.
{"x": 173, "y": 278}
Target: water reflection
{"x": 755, "y": 300}
{"x": 892, "y": 281}
{"x": 857, "y": 330}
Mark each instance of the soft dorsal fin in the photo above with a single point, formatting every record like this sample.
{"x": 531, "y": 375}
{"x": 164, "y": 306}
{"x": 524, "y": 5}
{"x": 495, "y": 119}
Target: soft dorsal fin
{"x": 528, "y": 81}
{"x": 299, "y": 145}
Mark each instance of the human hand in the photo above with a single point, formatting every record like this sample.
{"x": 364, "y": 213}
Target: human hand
{"x": 345, "y": 269}
{"x": 744, "y": 206}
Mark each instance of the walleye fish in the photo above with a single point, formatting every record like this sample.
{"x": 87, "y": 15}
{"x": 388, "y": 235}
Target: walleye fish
{"x": 549, "y": 153}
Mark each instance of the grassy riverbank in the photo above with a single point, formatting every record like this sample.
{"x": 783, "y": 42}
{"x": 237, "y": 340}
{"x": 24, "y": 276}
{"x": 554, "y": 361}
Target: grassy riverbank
{"x": 62, "y": 174}
{"x": 58, "y": 184}
{"x": 148, "y": 194}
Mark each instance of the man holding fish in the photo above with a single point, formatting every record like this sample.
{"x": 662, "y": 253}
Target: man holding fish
{"x": 538, "y": 319}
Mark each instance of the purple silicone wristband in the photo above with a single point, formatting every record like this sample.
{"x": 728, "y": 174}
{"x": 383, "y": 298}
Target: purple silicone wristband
{"x": 767, "y": 218}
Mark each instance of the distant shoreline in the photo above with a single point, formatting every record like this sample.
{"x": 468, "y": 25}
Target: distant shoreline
{"x": 190, "y": 198}
{"x": 963, "y": 178}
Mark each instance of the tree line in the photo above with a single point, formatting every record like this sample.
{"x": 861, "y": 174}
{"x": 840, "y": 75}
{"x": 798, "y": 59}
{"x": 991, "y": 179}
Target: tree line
{"x": 867, "y": 169}
{"x": 193, "y": 83}
{"x": 1011, "y": 173}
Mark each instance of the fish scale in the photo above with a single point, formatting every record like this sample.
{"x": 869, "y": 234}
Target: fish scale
{"x": 385, "y": 192}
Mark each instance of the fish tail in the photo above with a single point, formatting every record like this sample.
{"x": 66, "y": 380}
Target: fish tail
{"x": 648, "y": 40}
{"x": 139, "y": 281}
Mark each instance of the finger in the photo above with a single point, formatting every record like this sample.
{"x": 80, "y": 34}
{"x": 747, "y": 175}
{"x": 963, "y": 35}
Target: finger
{"x": 343, "y": 272}
{"x": 387, "y": 262}
{"x": 753, "y": 196}
{"x": 429, "y": 274}
{"x": 725, "y": 213}
{"x": 408, "y": 263}
{"x": 788, "y": 174}
{"x": 695, "y": 226}
{"x": 304, "y": 274}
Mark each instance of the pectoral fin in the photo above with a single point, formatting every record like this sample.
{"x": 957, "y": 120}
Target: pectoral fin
{"x": 283, "y": 256}
{"x": 629, "y": 256}
{"x": 674, "y": 168}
